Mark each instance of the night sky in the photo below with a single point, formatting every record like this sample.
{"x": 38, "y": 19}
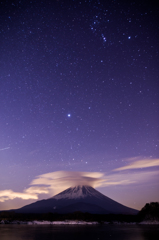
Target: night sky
{"x": 79, "y": 92}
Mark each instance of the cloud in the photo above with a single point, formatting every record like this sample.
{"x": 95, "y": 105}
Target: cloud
{"x": 55, "y": 182}
{"x": 2, "y": 149}
{"x": 29, "y": 193}
{"x": 52, "y": 183}
{"x": 9, "y": 194}
{"x": 129, "y": 178}
{"x": 143, "y": 163}
{"x": 60, "y": 180}
{"x": 37, "y": 190}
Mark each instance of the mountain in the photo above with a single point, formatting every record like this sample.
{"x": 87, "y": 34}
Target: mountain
{"x": 78, "y": 198}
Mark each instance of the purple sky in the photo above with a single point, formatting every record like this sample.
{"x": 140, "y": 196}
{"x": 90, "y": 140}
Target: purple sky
{"x": 79, "y": 91}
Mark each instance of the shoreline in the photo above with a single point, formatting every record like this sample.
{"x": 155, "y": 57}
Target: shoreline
{"x": 77, "y": 222}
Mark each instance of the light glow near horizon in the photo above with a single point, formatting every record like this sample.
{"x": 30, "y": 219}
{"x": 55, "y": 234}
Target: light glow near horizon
{"x": 54, "y": 182}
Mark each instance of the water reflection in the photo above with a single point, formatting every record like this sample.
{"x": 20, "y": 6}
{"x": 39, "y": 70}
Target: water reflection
{"x": 48, "y": 232}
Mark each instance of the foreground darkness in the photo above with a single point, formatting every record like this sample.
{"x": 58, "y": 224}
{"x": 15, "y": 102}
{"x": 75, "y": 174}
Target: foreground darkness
{"x": 11, "y": 216}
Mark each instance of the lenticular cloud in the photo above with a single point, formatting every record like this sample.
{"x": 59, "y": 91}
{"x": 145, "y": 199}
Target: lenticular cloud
{"x": 53, "y": 183}
{"x": 58, "y": 181}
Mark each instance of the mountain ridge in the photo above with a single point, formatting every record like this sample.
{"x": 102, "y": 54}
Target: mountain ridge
{"x": 79, "y": 191}
{"x": 82, "y": 198}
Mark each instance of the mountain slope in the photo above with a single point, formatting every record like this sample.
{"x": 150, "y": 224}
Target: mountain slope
{"x": 81, "y": 198}
{"x": 82, "y": 207}
{"x": 78, "y": 192}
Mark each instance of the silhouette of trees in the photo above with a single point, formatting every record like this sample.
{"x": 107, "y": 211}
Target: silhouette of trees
{"x": 149, "y": 212}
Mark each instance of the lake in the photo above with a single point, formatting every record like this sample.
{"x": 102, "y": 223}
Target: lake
{"x": 77, "y": 232}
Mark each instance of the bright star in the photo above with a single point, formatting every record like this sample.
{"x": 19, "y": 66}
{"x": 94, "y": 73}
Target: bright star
{"x": 68, "y": 115}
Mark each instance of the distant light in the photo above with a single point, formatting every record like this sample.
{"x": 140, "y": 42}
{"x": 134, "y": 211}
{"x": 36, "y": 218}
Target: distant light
{"x": 129, "y": 37}
{"x": 69, "y": 115}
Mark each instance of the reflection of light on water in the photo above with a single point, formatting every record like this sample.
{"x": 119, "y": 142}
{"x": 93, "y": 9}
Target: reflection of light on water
{"x": 47, "y": 231}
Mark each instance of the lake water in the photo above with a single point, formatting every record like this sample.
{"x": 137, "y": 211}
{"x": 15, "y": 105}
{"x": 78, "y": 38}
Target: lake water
{"x": 76, "y": 232}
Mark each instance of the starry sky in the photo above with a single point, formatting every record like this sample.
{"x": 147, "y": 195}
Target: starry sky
{"x": 79, "y": 85}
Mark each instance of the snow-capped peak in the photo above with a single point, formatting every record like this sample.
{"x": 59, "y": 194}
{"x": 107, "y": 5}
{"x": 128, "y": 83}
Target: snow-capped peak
{"x": 77, "y": 192}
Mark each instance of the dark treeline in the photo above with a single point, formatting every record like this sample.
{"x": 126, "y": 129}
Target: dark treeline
{"x": 149, "y": 212}
{"x": 12, "y": 216}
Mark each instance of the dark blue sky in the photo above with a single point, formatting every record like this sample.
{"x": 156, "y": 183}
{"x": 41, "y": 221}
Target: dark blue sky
{"x": 79, "y": 85}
